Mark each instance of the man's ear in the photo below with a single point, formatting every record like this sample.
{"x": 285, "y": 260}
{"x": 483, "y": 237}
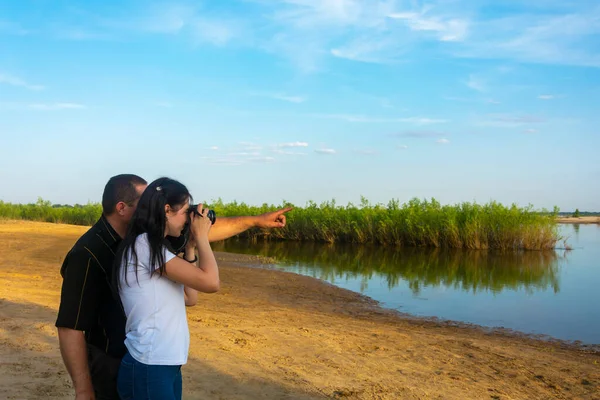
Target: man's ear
{"x": 120, "y": 208}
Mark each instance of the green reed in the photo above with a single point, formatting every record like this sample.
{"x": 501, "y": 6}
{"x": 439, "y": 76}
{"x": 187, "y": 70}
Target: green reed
{"x": 417, "y": 223}
{"x": 44, "y": 211}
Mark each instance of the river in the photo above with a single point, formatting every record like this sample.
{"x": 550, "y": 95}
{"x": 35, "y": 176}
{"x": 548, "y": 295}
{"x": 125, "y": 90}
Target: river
{"x": 549, "y": 293}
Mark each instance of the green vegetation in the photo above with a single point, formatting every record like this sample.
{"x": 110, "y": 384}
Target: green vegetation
{"x": 468, "y": 270}
{"x": 577, "y": 214}
{"x": 418, "y": 223}
{"x": 44, "y": 211}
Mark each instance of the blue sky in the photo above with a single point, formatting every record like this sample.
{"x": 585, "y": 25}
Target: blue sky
{"x": 264, "y": 101}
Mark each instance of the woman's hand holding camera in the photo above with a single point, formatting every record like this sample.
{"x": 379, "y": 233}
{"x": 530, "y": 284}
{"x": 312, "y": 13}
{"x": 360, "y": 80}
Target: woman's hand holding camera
{"x": 200, "y": 223}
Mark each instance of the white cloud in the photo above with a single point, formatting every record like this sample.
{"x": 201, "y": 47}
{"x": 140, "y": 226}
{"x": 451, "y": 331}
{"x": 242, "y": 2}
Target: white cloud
{"x": 475, "y": 83}
{"x": 442, "y": 141}
{"x": 281, "y": 96}
{"x": 288, "y": 153}
{"x": 423, "y": 121}
{"x": 325, "y": 151}
{"x": 249, "y": 146}
{"x": 548, "y": 36}
{"x": 12, "y": 28}
{"x": 546, "y": 97}
{"x": 447, "y": 30}
{"x": 419, "y": 134}
{"x": 309, "y": 32}
{"x": 367, "y": 152}
{"x": 530, "y": 131}
{"x": 364, "y": 118}
{"x": 214, "y": 148}
{"x": 263, "y": 159}
{"x": 402, "y": 147}
{"x": 492, "y": 101}
{"x": 16, "y": 81}
{"x": 509, "y": 120}
{"x": 56, "y": 106}
{"x": 216, "y": 32}
{"x": 292, "y": 144}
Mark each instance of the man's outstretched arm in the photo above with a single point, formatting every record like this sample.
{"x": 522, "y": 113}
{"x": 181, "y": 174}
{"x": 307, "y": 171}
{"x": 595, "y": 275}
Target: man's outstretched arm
{"x": 226, "y": 227}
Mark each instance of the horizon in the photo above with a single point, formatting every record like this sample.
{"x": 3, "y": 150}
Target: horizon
{"x": 304, "y": 100}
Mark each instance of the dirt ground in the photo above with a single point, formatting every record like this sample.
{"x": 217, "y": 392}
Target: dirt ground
{"x": 579, "y": 220}
{"x": 275, "y": 335}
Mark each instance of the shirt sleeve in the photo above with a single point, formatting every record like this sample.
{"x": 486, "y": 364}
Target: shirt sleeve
{"x": 80, "y": 293}
{"x": 168, "y": 255}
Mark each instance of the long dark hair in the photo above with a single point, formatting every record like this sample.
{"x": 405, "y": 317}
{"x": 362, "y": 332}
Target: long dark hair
{"x": 150, "y": 218}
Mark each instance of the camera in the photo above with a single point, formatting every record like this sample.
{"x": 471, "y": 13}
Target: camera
{"x": 177, "y": 244}
{"x": 211, "y": 214}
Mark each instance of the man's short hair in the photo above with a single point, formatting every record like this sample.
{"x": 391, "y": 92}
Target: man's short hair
{"x": 120, "y": 188}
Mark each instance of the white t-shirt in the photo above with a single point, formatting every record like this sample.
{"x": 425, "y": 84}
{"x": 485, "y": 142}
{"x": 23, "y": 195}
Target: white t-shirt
{"x": 156, "y": 329}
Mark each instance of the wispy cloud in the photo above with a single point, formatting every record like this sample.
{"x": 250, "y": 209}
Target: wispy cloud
{"x": 56, "y": 106}
{"x": 509, "y": 120}
{"x": 546, "y": 97}
{"x": 419, "y": 134}
{"x": 402, "y": 147}
{"x": 263, "y": 159}
{"x": 445, "y": 29}
{"x": 12, "y": 28}
{"x": 214, "y": 148}
{"x": 517, "y": 119}
{"x": 280, "y": 96}
{"x": 249, "y": 146}
{"x": 288, "y": 153}
{"x": 530, "y": 131}
{"x": 548, "y": 36}
{"x": 364, "y": 118}
{"x": 325, "y": 151}
{"x": 475, "y": 83}
{"x": 442, "y": 141}
{"x": 309, "y": 32}
{"x": 292, "y": 144}
{"x": 367, "y": 152}
{"x": 12, "y": 80}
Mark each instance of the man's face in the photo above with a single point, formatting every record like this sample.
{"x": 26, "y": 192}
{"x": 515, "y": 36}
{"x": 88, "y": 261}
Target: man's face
{"x": 130, "y": 208}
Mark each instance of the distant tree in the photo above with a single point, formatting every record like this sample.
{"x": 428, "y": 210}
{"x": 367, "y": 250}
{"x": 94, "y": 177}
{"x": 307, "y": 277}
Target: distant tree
{"x": 576, "y": 214}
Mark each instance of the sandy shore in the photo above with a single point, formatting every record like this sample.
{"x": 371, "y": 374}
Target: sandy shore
{"x": 276, "y": 335}
{"x": 579, "y": 220}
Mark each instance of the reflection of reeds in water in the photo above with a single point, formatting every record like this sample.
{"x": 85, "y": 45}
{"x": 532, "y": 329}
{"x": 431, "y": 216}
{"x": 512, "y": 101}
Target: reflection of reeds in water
{"x": 468, "y": 270}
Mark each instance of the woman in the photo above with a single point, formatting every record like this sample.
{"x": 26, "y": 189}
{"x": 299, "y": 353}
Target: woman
{"x": 155, "y": 285}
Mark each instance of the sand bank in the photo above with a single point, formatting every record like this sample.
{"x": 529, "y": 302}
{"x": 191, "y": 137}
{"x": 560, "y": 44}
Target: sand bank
{"x": 276, "y": 335}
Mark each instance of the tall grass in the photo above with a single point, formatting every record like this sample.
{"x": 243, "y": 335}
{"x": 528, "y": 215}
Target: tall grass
{"x": 44, "y": 211}
{"x": 418, "y": 223}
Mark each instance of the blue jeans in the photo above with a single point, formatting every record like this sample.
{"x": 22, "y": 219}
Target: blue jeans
{"x": 139, "y": 381}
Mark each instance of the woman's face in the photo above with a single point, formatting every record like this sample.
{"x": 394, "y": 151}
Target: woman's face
{"x": 176, "y": 220}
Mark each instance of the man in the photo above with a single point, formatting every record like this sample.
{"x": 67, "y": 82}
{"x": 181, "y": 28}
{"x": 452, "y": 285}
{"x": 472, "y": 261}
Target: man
{"x": 90, "y": 321}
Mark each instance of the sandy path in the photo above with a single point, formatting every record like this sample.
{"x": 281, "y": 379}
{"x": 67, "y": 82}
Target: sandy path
{"x": 275, "y": 335}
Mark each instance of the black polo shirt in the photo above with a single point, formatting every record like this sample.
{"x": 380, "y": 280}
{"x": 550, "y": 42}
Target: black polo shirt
{"x": 87, "y": 302}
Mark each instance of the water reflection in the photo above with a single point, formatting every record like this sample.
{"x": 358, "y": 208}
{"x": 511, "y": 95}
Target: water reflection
{"x": 472, "y": 271}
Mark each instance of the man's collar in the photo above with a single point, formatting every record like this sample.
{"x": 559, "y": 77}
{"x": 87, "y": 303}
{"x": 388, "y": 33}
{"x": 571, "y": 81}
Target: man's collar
{"x": 107, "y": 231}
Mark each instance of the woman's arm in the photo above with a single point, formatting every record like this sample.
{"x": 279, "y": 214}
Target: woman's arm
{"x": 190, "y": 295}
{"x": 203, "y": 277}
